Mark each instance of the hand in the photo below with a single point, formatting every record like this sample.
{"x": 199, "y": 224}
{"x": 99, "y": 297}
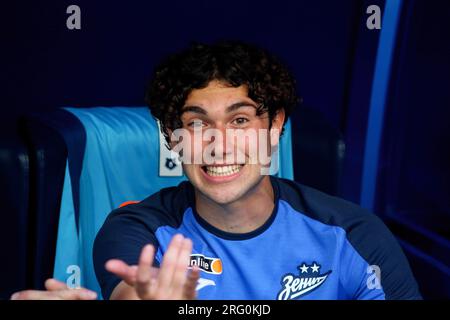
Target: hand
{"x": 171, "y": 281}
{"x": 56, "y": 290}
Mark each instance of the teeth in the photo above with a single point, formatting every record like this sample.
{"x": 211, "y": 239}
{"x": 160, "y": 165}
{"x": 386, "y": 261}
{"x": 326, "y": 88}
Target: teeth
{"x": 220, "y": 171}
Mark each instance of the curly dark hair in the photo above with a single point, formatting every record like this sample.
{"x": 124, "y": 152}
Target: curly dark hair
{"x": 269, "y": 83}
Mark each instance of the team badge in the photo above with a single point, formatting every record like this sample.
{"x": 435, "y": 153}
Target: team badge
{"x": 308, "y": 279}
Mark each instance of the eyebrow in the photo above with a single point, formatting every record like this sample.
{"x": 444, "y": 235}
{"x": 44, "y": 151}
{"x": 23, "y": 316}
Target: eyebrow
{"x": 231, "y": 108}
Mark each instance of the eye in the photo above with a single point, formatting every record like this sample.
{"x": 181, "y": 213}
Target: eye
{"x": 240, "y": 121}
{"x": 196, "y": 123}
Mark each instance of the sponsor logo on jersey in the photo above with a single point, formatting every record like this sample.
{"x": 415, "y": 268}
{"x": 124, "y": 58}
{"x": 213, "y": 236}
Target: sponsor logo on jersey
{"x": 309, "y": 279}
{"x": 207, "y": 264}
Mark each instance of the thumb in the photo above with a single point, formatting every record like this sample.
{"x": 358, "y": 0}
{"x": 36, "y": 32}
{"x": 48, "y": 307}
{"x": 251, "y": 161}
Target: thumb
{"x": 122, "y": 270}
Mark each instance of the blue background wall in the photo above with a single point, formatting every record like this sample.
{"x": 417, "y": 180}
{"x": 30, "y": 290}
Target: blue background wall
{"x": 325, "y": 43}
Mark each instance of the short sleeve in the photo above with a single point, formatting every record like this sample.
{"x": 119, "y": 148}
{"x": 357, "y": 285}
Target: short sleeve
{"x": 122, "y": 236}
{"x": 376, "y": 264}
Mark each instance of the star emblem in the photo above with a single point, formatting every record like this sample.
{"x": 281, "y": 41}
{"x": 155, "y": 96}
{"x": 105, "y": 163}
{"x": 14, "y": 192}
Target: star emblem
{"x": 304, "y": 268}
{"x": 315, "y": 267}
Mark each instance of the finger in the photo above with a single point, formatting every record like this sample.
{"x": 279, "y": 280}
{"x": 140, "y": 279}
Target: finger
{"x": 122, "y": 270}
{"x": 179, "y": 277}
{"x": 76, "y": 294}
{"x": 190, "y": 292}
{"x": 168, "y": 266}
{"x": 67, "y": 294}
{"x": 32, "y": 295}
{"x": 154, "y": 272}
{"x": 127, "y": 272}
{"x": 143, "y": 275}
{"x": 53, "y": 285}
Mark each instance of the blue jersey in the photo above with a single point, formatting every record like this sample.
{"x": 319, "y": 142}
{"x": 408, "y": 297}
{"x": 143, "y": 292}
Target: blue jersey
{"x": 313, "y": 246}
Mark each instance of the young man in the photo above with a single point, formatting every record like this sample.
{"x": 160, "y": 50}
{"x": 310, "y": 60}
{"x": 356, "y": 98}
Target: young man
{"x": 231, "y": 232}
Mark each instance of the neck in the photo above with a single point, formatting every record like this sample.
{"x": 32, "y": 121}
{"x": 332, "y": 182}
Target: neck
{"x": 243, "y": 215}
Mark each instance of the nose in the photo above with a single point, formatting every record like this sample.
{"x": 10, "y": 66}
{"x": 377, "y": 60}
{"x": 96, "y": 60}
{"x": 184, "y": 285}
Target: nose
{"x": 223, "y": 143}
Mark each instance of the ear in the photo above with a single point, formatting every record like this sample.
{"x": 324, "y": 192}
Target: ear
{"x": 277, "y": 126}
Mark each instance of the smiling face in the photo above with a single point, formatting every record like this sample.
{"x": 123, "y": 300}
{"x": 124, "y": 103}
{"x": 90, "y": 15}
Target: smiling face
{"x": 222, "y": 107}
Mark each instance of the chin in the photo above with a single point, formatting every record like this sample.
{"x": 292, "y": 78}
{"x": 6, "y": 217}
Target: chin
{"x": 223, "y": 198}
